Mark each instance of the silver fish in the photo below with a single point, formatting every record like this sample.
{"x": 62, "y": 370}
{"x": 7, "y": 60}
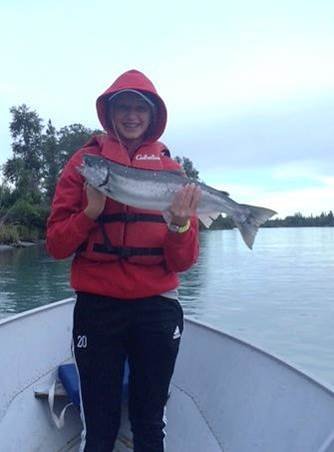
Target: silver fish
{"x": 155, "y": 190}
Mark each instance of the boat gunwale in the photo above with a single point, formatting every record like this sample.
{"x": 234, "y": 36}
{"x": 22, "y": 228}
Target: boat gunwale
{"x": 315, "y": 380}
{"x": 277, "y": 359}
{"x": 29, "y": 312}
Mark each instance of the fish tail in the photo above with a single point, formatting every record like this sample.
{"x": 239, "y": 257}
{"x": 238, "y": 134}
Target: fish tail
{"x": 251, "y": 221}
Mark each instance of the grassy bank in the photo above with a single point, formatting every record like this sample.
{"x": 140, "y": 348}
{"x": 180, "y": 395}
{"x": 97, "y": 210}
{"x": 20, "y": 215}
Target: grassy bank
{"x": 14, "y": 235}
{"x": 22, "y": 220}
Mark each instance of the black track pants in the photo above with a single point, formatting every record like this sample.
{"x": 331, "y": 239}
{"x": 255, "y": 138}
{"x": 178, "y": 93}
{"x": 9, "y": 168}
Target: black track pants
{"x": 106, "y": 331}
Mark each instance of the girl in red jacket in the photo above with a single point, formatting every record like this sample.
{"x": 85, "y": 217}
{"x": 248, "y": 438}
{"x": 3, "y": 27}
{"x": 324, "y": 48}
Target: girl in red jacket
{"x": 124, "y": 271}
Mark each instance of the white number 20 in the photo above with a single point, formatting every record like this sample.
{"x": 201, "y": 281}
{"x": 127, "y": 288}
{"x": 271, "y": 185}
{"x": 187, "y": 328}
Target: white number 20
{"x": 82, "y": 342}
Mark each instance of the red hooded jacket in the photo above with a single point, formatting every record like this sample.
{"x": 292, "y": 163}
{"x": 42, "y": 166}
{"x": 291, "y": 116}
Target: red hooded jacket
{"x": 94, "y": 268}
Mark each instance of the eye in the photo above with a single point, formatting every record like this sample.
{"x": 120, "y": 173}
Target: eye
{"x": 142, "y": 109}
{"x": 121, "y": 108}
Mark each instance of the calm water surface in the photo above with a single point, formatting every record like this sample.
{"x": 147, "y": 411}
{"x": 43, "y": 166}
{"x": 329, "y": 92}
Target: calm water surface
{"x": 279, "y": 297}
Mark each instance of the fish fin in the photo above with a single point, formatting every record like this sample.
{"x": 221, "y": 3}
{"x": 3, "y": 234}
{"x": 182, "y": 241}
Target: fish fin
{"x": 250, "y": 225}
{"x": 209, "y": 218}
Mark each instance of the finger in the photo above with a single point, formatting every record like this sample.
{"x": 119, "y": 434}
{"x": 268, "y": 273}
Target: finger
{"x": 197, "y": 193}
{"x": 178, "y": 200}
{"x": 188, "y": 195}
{"x": 192, "y": 198}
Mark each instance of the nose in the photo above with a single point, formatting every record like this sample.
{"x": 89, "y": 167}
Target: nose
{"x": 130, "y": 112}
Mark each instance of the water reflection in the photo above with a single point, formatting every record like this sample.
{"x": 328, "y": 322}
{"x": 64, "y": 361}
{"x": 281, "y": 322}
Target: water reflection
{"x": 29, "y": 278}
{"x": 192, "y": 282}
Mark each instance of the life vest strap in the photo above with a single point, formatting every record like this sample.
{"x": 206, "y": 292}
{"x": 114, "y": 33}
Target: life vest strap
{"x": 123, "y": 251}
{"x": 130, "y": 217}
{"x": 127, "y": 251}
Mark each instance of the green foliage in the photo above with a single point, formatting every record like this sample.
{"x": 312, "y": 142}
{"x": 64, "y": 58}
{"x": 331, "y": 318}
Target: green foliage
{"x": 51, "y": 165}
{"x": 298, "y": 220}
{"x": 27, "y": 214}
{"x": 71, "y": 138}
{"x": 29, "y": 234}
{"x": 222, "y": 222}
{"x": 188, "y": 167}
{"x": 25, "y": 127}
{"x": 13, "y": 170}
{"x": 39, "y": 154}
{"x": 9, "y": 234}
{"x": 24, "y": 169}
{"x": 6, "y": 197}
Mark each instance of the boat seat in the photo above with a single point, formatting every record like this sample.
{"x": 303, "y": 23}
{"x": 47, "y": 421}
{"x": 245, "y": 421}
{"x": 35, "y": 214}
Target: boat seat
{"x": 68, "y": 375}
{"x": 67, "y": 385}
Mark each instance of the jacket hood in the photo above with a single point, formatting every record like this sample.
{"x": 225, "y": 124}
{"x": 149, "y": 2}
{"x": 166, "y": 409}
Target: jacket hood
{"x": 134, "y": 80}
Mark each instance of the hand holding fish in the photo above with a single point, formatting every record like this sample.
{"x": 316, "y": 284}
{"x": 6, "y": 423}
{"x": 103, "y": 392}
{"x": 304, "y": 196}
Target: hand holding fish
{"x": 184, "y": 204}
{"x": 95, "y": 202}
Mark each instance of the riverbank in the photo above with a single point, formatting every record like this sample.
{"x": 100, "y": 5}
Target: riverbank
{"x": 19, "y": 235}
{"x": 5, "y": 247}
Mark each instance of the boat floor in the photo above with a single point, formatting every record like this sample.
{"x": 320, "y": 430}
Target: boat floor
{"x": 74, "y": 447}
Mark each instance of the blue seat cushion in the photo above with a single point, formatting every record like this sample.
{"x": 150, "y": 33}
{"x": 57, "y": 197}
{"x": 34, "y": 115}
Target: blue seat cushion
{"x": 68, "y": 375}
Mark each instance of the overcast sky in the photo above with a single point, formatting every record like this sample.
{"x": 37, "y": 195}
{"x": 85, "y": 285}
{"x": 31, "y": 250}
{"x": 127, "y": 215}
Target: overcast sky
{"x": 249, "y": 85}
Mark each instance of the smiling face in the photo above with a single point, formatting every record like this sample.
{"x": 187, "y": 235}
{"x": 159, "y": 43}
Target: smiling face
{"x": 130, "y": 116}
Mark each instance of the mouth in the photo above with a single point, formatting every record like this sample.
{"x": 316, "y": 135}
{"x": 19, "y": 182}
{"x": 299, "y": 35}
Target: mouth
{"x": 131, "y": 125}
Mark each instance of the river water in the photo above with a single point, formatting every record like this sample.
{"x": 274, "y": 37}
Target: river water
{"x": 279, "y": 296}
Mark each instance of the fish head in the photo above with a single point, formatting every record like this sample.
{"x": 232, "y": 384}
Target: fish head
{"x": 94, "y": 170}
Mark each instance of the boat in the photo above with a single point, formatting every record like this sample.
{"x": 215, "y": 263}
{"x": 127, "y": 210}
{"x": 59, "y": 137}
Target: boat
{"x": 226, "y": 395}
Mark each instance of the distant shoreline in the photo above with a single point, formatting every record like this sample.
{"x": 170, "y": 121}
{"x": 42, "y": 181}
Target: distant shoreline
{"x": 6, "y": 247}
{"x": 26, "y": 244}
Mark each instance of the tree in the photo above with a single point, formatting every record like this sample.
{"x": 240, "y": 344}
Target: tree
{"x": 6, "y": 200}
{"x": 24, "y": 169}
{"x": 188, "y": 167}
{"x": 50, "y": 160}
{"x": 71, "y": 138}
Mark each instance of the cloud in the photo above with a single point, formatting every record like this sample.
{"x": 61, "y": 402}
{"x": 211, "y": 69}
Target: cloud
{"x": 264, "y": 74}
{"x": 272, "y": 137}
{"x": 307, "y": 201}
{"x": 287, "y": 189}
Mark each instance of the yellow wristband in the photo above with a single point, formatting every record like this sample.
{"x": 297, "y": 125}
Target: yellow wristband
{"x": 180, "y": 229}
{"x": 184, "y": 228}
